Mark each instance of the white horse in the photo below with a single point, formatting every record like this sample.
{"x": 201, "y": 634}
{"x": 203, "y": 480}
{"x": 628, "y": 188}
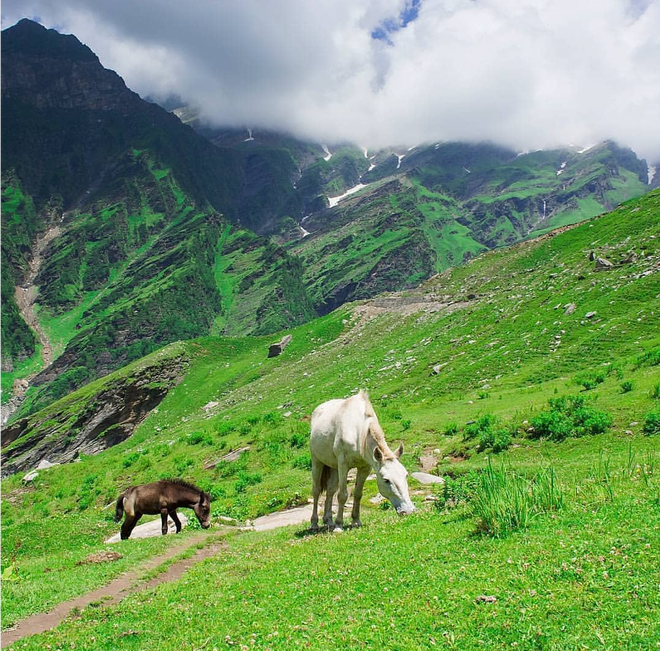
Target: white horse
{"x": 346, "y": 434}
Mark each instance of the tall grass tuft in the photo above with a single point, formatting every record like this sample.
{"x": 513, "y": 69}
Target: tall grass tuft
{"x": 505, "y": 501}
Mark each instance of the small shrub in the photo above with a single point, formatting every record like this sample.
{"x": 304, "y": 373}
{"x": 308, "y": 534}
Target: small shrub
{"x": 569, "y": 416}
{"x": 650, "y": 358}
{"x": 451, "y": 429}
{"x": 626, "y": 386}
{"x": 590, "y": 380}
{"x": 195, "y": 438}
{"x": 246, "y": 479}
{"x": 222, "y": 429}
{"x": 505, "y": 501}
{"x": 483, "y": 395}
{"x": 406, "y": 423}
{"x": 181, "y": 464}
{"x": 655, "y": 392}
{"x": 652, "y": 423}
{"x": 490, "y": 433}
{"x": 272, "y": 418}
{"x": 457, "y": 490}
{"x": 130, "y": 459}
{"x": 303, "y": 461}
{"x": 299, "y": 440}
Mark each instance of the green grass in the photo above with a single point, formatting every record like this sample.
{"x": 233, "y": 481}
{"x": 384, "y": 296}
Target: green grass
{"x": 501, "y": 357}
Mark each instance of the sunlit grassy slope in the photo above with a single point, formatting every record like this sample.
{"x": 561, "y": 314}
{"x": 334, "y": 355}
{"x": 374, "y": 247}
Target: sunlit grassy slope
{"x": 497, "y": 333}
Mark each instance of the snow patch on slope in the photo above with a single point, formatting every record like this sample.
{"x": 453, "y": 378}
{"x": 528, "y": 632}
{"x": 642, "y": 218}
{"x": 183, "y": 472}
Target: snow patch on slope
{"x": 650, "y": 172}
{"x": 335, "y": 200}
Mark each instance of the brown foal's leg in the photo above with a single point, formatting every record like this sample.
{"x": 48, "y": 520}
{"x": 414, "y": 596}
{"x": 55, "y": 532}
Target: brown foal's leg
{"x": 177, "y": 522}
{"x": 128, "y": 526}
{"x": 163, "y": 517}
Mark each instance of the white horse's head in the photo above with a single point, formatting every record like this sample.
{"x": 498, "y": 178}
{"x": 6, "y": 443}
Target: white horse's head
{"x": 392, "y": 480}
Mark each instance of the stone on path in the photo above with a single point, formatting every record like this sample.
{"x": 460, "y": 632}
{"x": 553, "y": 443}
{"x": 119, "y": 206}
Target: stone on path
{"x": 426, "y": 478}
{"x": 283, "y": 518}
{"x": 150, "y": 529}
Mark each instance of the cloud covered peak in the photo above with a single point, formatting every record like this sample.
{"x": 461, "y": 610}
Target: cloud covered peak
{"x": 523, "y": 73}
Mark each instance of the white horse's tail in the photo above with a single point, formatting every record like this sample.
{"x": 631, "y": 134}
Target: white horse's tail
{"x": 325, "y": 476}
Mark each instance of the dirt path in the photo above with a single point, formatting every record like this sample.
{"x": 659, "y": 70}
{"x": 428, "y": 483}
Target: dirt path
{"x": 119, "y": 588}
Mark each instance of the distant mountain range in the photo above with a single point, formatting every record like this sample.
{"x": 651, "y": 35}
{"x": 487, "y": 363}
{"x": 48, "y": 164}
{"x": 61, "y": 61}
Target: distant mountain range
{"x": 140, "y": 226}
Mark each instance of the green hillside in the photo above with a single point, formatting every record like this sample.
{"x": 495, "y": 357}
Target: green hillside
{"x": 530, "y": 357}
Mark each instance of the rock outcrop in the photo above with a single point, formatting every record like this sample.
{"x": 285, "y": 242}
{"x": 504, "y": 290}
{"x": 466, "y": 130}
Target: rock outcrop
{"x": 88, "y": 424}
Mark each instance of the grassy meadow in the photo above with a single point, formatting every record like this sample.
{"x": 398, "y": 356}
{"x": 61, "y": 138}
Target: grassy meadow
{"x": 543, "y": 419}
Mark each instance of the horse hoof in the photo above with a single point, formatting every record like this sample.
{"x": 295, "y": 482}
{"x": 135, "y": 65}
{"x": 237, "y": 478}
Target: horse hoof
{"x": 337, "y": 530}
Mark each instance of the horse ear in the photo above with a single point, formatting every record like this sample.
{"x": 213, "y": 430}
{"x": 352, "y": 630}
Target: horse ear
{"x": 399, "y": 451}
{"x": 378, "y": 454}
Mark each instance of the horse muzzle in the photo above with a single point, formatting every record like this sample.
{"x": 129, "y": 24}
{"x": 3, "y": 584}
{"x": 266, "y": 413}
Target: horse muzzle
{"x": 406, "y": 509}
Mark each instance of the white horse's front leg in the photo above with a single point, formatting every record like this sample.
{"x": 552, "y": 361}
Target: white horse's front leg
{"x": 362, "y": 475}
{"x": 342, "y": 496}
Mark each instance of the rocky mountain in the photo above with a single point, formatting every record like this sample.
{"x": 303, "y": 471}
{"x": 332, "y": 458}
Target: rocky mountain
{"x": 368, "y": 221}
{"x": 144, "y": 245}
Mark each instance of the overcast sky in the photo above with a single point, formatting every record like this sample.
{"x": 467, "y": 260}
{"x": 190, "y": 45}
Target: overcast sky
{"x": 524, "y": 73}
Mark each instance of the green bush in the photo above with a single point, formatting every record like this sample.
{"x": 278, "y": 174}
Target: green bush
{"x": 590, "y": 380}
{"x": 650, "y": 358}
{"x": 451, "y": 429}
{"x": 272, "y": 418}
{"x": 655, "y": 392}
{"x": 490, "y": 433}
{"x": 406, "y": 423}
{"x": 627, "y": 386}
{"x": 299, "y": 439}
{"x": 130, "y": 459}
{"x": 652, "y": 422}
{"x": 505, "y": 501}
{"x": 303, "y": 461}
{"x": 246, "y": 479}
{"x": 569, "y": 416}
{"x": 195, "y": 438}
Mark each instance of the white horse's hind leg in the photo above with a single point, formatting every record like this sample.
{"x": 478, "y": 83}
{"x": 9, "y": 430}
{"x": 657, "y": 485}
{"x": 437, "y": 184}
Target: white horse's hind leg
{"x": 342, "y": 472}
{"x": 362, "y": 475}
{"x": 329, "y": 496}
{"x": 317, "y": 472}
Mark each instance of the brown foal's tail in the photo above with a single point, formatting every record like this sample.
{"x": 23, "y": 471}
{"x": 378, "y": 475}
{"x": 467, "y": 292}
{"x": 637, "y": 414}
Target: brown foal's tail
{"x": 119, "y": 510}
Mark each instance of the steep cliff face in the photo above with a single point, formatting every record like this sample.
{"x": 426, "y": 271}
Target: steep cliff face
{"x": 102, "y": 416}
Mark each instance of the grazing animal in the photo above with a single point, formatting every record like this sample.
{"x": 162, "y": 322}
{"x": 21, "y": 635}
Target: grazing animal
{"x": 346, "y": 434}
{"x": 163, "y": 497}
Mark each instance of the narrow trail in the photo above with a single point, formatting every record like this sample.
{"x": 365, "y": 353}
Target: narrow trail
{"x": 121, "y": 587}
{"x": 26, "y": 296}
{"x": 133, "y": 581}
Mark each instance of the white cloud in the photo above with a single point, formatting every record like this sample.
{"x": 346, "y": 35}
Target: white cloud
{"x": 524, "y": 73}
